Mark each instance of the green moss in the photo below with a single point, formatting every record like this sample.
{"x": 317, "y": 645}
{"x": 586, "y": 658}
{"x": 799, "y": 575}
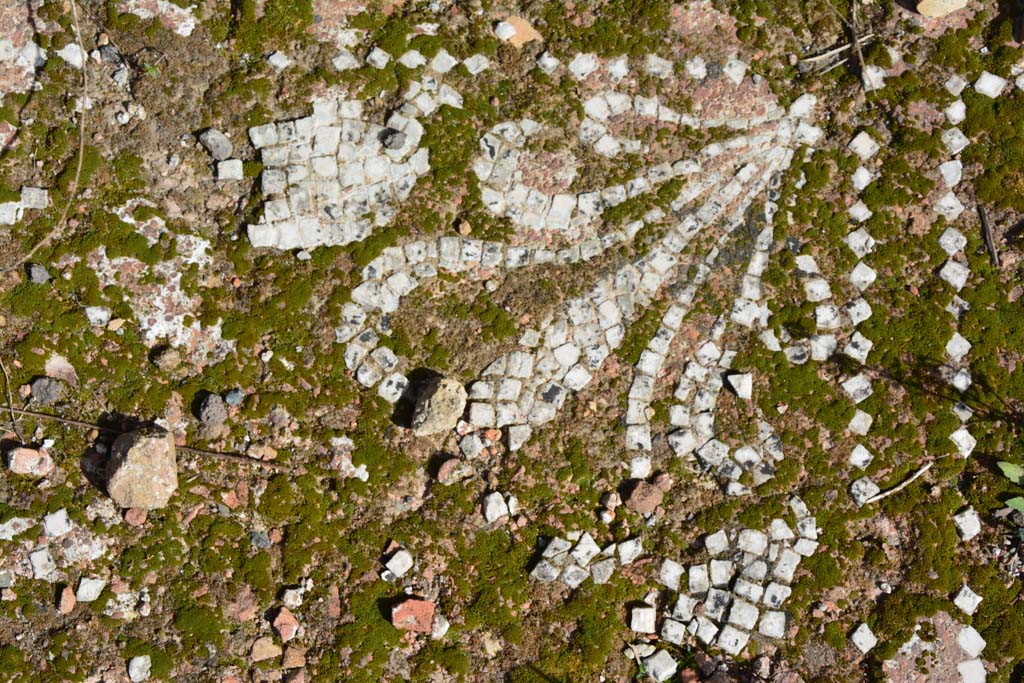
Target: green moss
{"x": 278, "y": 503}
{"x": 369, "y": 635}
{"x": 283, "y": 21}
{"x": 639, "y": 335}
{"x": 92, "y": 160}
{"x": 200, "y": 625}
{"x": 897, "y": 613}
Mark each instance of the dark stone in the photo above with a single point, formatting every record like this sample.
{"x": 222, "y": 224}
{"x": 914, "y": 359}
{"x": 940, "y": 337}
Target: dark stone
{"x": 110, "y": 55}
{"x": 392, "y": 139}
{"x": 212, "y": 413}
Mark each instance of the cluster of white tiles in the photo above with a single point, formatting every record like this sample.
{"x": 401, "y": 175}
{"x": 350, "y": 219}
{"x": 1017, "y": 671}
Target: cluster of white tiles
{"x": 649, "y": 365}
{"x": 576, "y": 558}
{"x": 325, "y": 172}
{"x": 697, "y": 390}
{"x": 576, "y": 341}
{"x": 526, "y": 388}
{"x": 696, "y": 393}
{"x": 611, "y": 106}
{"x": 738, "y": 590}
{"x": 400, "y": 270}
{"x": 502, "y": 148}
{"x": 970, "y": 644}
{"x": 503, "y": 193}
{"x": 441, "y": 63}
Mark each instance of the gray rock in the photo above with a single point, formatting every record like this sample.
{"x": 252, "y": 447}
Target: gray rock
{"x": 142, "y": 471}
{"x": 439, "y": 407}
{"x": 392, "y": 139}
{"x": 216, "y": 143}
{"x": 260, "y": 539}
{"x": 139, "y": 668}
{"x": 37, "y": 274}
{"x": 234, "y": 397}
{"x": 213, "y": 413}
{"x": 110, "y": 55}
{"x": 46, "y": 390}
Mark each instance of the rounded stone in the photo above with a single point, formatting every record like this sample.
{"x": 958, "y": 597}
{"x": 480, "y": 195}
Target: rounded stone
{"x": 644, "y": 498}
{"x": 142, "y": 471}
{"x": 439, "y": 407}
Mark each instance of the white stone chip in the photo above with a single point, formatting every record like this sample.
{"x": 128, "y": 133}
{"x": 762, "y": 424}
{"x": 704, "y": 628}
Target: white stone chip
{"x": 43, "y": 566}
{"x": 863, "y": 145}
{"x": 504, "y": 31}
{"x": 862, "y": 276}
{"x": 660, "y": 666}
{"x": 955, "y": 85}
{"x": 860, "y": 242}
{"x": 860, "y": 423}
{"x": 547, "y": 63}
{"x": 139, "y": 668}
{"x": 412, "y": 59}
{"x": 949, "y": 206}
{"x": 732, "y": 640}
{"x": 345, "y": 61}
{"x": 735, "y": 70}
{"x": 858, "y": 388}
{"x": 89, "y": 589}
{"x": 967, "y": 600}
{"x": 863, "y": 638}
{"x": 582, "y": 65}
{"x": 957, "y": 347}
{"x": 400, "y": 563}
{"x": 970, "y": 641}
{"x": 861, "y": 457}
{"x": 861, "y": 178}
{"x": 968, "y": 523}
{"x": 279, "y": 61}
{"x": 952, "y": 240}
{"x": 494, "y": 507}
{"x": 956, "y": 112}
{"x": 972, "y": 671}
{"x": 742, "y": 384}
{"x": 860, "y": 212}
{"x": 642, "y": 619}
{"x": 670, "y": 574}
{"x": 773, "y": 624}
{"x": 989, "y": 84}
{"x": 378, "y": 58}
{"x": 955, "y": 273}
{"x": 863, "y": 490}
{"x": 230, "y": 169}
{"x": 955, "y": 141}
{"x": 964, "y": 441}
{"x": 57, "y": 523}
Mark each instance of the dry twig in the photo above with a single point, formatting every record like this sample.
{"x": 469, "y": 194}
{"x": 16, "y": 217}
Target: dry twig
{"x": 836, "y": 50}
{"x": 885, "y": 494}
{"x": 986, "y": 232}
{"x": 234, "y": 457}
{"x": 10, "y": 402}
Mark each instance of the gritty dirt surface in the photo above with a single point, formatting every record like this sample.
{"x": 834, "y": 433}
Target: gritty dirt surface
{"x": 312, "y": 536}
